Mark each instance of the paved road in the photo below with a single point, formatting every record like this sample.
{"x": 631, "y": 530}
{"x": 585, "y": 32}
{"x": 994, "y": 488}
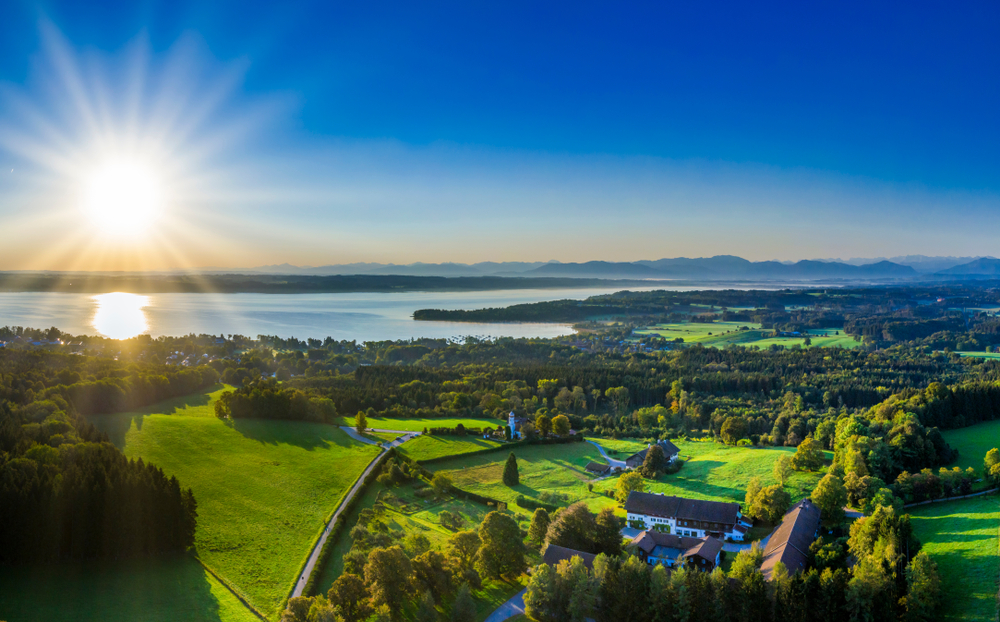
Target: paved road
{"x": 300, "y": 584}
{"x": 405, "y": 436}
{"x": 509, "y": 609}
{"x": 611, "y": 461}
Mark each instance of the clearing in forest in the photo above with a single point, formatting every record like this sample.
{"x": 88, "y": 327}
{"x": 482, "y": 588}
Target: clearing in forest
{"x": 973, "y": 442}
{"x": 264, "y": 488}
{"x": 722, "y": 334}
{"x": 962, "y": 537}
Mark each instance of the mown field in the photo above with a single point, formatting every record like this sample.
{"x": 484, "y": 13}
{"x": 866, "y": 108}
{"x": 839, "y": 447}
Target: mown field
{"x": 416, "y": 425}
{"x": 157, "y": 590}
{"x": 544, "y": 470}
{"x": 426, "y": 447}
{"x": 962, "y": 537}
{"x": 404, "y": 510}
{"x": 973, "y": 442}
{"x": 979, "y": 355}
{"x": 264, "y": 488}
{"x": 721, "y": 334}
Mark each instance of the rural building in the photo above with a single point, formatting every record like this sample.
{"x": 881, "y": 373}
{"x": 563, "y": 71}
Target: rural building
{"x": 669, "y": 450}
{"x": 597, "y": 468}
{"x": 685, "y": 517}
{"x": 514, "y": 423}
{"x": 654, "y": 547}
{"x": 790, "y": 540}
{"x": 554, "y": 554}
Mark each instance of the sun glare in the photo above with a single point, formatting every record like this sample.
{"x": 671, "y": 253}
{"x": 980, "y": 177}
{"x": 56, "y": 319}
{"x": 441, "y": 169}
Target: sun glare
{"x": 123, "y": 197}
{"x": 120, "y": 315}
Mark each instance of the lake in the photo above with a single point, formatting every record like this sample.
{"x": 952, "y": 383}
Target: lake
{"x": 352, "y": 316}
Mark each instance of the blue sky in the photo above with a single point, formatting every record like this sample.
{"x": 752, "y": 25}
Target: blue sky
{"x": 503, "y": 131}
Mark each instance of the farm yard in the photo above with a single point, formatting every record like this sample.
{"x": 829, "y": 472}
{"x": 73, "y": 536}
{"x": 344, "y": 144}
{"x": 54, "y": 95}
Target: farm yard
{"x": 721, "y": 334}
{"x": 264, "y": 487}
{"x": 962, "y": 537}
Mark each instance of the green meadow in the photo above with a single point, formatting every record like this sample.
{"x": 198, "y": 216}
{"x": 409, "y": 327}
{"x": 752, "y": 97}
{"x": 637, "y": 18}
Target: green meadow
{"x": 962, "y": 537}
{"x": 555, "y": 473}
{"x": 979, "y": 355}
{"x": 151, "y": 590}
{"x": 544, "y": 470}
{"x": 722, "y": 334}
{"x": 426, "y": 447}
{"x": 264, "y": 488}
{"x": 417, "y": 425}
{"x": 973, "y": 442}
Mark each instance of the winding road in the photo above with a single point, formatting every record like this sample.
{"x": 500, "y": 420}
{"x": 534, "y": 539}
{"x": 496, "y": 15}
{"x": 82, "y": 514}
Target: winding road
{"x": 300, "y": 583}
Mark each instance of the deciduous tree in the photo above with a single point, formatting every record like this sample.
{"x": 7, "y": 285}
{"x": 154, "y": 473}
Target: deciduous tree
{"x": 502, "y": 550}
{"x": 539, "y": 526}
{"x": 627, "y": 483}
{"x": 387, "y": 575}
{"x": 830, "y": 496}
{"x": 560, "y": 425}
{"x": 809, "y": 455}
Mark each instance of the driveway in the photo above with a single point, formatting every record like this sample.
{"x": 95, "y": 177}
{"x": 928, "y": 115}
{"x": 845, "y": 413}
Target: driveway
{"x": 509, "y": 609}
{"x": 405, "y": 436}
{"x": 611, "y": 461}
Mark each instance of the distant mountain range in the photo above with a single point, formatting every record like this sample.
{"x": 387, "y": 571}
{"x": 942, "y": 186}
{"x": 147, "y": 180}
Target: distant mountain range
{"x": 718, "y": 268}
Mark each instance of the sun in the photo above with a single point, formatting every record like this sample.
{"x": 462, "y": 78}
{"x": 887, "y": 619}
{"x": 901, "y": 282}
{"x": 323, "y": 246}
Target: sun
{"x": 123, "y": 196}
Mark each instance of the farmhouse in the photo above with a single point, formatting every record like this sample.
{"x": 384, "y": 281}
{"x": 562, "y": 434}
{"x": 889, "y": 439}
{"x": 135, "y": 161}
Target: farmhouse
{"x": 685, "y": 517}
{"x": 554, "y": 554}
{"x": 669, "y": 450}
{"x": 655, "y": 547}
{"x": 790, "y": 540}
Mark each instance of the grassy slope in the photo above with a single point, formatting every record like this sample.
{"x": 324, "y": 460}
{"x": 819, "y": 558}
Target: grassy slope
{"x": 426, "y": 447}
{"x": 961, "y": 536}
{"x": 417, "y": 425}
{"x": 973, "y": 442}
{"x": 712, "y": 471}
{"x": 159, "y": 590}
{"x": 720, "y": 472}
{"x": 542, "y": 468}
{"x": 264, "y": 488}
{"x": 721, "y": 334}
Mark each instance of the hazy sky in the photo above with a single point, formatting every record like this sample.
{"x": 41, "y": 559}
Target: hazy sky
{"x": 312, "y": 134}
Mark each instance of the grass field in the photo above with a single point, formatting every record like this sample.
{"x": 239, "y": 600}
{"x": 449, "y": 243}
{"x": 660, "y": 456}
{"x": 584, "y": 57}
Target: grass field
{"x": 264, "y": 488}
{"x": 711, "y": 471}
{"x": 718, "y": 472}
{"x": 417, "y": 425}
{"x": 721, "y": 334}
{"x": 552, "y": 469}
{"x": 973, "y": 442}
{"x": 157, "y": 590}
{"x": 962, "y": 537}
{"x": 425, "y": 447}
{"x": 980, "y": 355}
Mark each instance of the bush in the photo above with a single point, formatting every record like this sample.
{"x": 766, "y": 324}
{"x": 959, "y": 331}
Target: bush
{"x": 533, "y": 504}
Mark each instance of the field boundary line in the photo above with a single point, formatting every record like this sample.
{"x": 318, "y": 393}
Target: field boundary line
{"x": 232, "y": 589}
{"x": 945, "y": 499}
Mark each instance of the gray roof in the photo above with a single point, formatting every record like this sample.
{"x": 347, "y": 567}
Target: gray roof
{"x": 650, "y": 540}
{"x": 790, "y": 540}
{"x": 685, "y": 509}
{"x": 554, "y": 554}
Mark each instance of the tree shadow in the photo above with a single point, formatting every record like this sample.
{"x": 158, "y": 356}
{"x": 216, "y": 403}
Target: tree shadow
{"x": 117, "y": 425}
{"x": 161, "y": 589}
{"x": 303, "y": 434}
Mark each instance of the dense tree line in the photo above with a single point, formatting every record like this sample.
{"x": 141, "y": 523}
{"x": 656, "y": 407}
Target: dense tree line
{"x": 67, "y": 493}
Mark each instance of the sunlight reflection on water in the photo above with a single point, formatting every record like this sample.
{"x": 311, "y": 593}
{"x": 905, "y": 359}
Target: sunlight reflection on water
{"x": 120, "y": 315}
